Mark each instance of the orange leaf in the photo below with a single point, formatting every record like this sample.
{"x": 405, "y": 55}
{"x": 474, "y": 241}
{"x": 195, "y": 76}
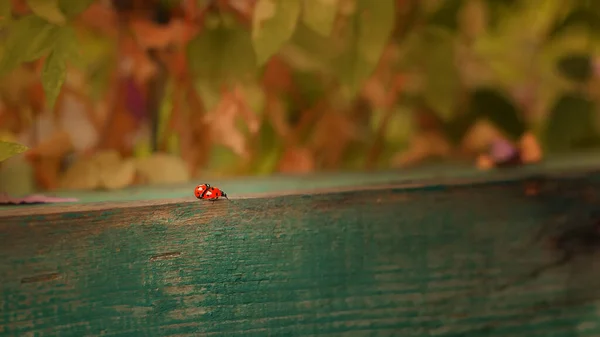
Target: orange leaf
{"x": 222, "y": 122}
{"x": 297, "y": 160}
{"x": 56, "y": 146}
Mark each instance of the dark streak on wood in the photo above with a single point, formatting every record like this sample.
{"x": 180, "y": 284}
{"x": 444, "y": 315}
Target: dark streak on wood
{"x": 40, "y": 278}
{"x": 165, "y": 256}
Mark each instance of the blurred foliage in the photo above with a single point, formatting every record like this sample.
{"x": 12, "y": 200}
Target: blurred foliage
{"x": 228, "y": 87}
{"x": 9, "y": 149}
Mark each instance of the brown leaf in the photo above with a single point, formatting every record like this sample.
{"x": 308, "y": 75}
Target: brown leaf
{"x": 485, "y": 162}
{"x": 116, "y": 175}
{"x": 47, "y": 171}
{"x": 56, "y": 146}
{"x": 297, "y": 160}
{"x": 245, "y": 7}
{"x": 333, "y": 134}
{"x": 531, "y": 151}
{"x": 479, "y": 137}
{"x": 20, "y": 6}
{"x": 222, "y": 121}
{"x": 74, "y": 119}
{"x": 37, "y": 98}
{"x": 275, "y": 112}
{"x": 16, "y": 83}
{"x": 244, "y": 110}
{"x": 105, "y": 169}
{"x": 177, "y": 64}
{"x": 83, "y": 174}
{"x": 195, "y": 132}
{"x": 119, "y": 127}
{"x": 136, "y": 61}
{"x": 10, "y": 118}
{"x": 423, "y": 145}
{"x": 277, "y": 76}
{"x": 99, "y": 17}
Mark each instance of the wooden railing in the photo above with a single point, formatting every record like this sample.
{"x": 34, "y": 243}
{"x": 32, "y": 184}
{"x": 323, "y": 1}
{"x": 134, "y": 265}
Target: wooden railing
{"x": 510, "y": 253}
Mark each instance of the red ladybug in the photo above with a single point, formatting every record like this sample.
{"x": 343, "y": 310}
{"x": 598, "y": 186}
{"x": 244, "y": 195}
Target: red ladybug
{"x": 205, "y": 191}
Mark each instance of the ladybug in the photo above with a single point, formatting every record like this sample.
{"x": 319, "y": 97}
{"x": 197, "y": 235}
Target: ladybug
{"x": 205, "y": 191}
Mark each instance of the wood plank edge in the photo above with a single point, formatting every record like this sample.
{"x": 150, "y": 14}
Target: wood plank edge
{"x": 434, "y": 183}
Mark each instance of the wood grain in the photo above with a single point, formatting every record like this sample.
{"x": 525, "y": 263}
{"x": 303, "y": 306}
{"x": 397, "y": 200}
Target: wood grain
{"x": 279, "y": 185}
{"x": 447, "y": 260}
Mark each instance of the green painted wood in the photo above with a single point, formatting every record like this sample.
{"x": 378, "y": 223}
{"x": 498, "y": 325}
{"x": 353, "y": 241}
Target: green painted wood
{"x": 445, "y": 173}
{"x": 448, "y": 173}
{"x": 431, "y": 260}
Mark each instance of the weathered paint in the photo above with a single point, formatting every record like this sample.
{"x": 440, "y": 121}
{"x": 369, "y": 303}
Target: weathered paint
{"x": 243, "y": 187}
{"x": 408, "y": 262}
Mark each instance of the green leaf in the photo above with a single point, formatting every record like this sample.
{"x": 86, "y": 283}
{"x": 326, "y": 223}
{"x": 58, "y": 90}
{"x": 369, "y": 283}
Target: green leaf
{"x": 447, "y": 15}
{"x": 222, "y": 159}
{"x": 498, "y": 109}
{"x": 576, "y": 67}
{"x": 222, "y": 54}
{"x": 580, "y": 17}
{"x": 73, "y": 8}
{"x": 273, "y": 24}
{"x": 170, "y": 3}
{"x": 571, "y": 124}
{"x": 441, "y": 75}
{"x": 319, "y": 15}
{"x": 47, "y": 9}
{"x": 67, "y": 45}
{"x": 8, "y": 149}
{"x": 269, "y": 149}
{"x": 54, "y": 72}
{"x": 310, "y": 86}
{"x": 368, "y": 32}
{"x": 309, "y": 50}
{"x": 29, "y": 38}
{"x": 53, "y": 77}
{"x": 399, "y": 128}
{"x": 498, "y": 9}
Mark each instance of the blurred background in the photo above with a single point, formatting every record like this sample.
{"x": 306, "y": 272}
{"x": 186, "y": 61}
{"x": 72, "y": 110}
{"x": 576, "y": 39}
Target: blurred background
{"x": 109, "y": 94}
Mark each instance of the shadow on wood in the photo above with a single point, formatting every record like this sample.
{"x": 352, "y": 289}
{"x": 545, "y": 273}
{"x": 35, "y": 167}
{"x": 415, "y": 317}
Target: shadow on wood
{"x": 445, "y": 261}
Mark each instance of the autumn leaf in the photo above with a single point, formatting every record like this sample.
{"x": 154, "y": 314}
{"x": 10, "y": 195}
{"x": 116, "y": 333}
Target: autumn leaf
{"x": 54, "y": 146}
{"x": 297, "y": 160}
{"x": 223, "y": 123}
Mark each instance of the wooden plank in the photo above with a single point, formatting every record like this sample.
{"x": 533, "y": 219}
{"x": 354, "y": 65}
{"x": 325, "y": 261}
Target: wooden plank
{"x": 453, "y": 260}
{"x": 446, "y": 174}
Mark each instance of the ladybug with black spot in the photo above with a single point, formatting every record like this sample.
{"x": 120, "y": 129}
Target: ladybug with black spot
{"x": 205, "y": 191}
